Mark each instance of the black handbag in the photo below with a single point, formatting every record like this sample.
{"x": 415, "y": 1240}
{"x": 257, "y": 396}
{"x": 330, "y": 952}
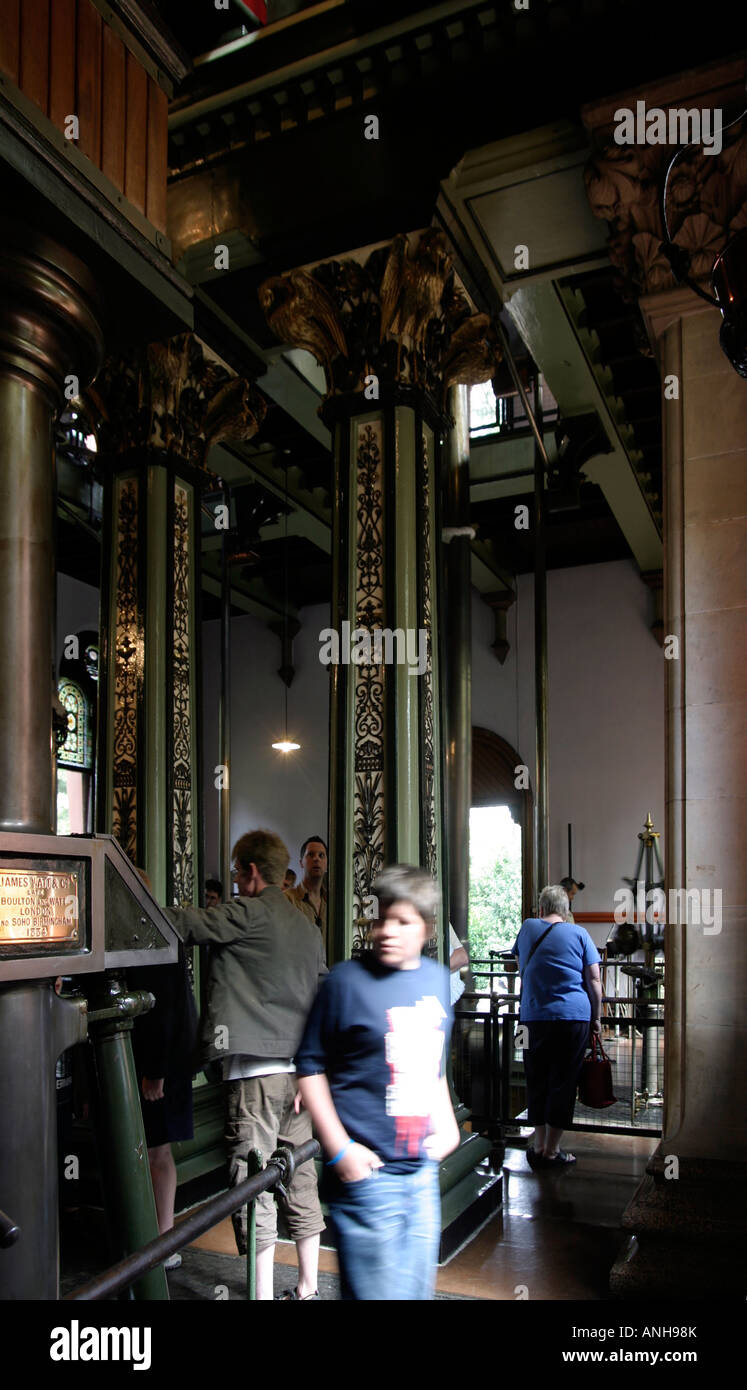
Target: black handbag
{"x": 595, "y": 1078}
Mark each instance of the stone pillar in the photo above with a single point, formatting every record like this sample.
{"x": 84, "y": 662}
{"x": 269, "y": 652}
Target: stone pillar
{"x": 676, "y": 1219}
{"x": 393, "y": 334}
{"x": 687, "y": 1218}
{"x": 160, "y": 410}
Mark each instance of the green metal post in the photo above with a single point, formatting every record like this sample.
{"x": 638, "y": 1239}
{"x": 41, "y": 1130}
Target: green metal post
{"x": 254, "y": 1165}
{"x": 458, "y": 650}
{"x": 120, "y": 1136}
{"x": 541, "y": 683}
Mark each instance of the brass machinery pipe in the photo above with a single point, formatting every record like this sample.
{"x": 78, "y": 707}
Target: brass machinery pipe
{"x": 50, "y": 340}
{"x": 50, "y": 347}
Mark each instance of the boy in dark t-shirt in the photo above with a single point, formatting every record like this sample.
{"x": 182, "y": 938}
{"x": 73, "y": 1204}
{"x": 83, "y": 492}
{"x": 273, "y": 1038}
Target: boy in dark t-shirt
{"x": 371, "y": 1073}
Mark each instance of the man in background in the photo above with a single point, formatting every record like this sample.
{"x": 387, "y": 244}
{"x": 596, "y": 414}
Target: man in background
{"x": 265, "y": 967}
{"x": 213, "y": 892}
{"x": 310, "y": 895}
{"x": 571, "y": 888}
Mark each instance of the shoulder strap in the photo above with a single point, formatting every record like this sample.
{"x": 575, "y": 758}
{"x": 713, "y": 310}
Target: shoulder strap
{"x": 539, "y": 941}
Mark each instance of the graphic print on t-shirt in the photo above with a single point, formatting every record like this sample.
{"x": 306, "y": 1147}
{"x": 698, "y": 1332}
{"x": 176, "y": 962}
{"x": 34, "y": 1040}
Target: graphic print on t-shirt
{"x": 414, "y": 1043}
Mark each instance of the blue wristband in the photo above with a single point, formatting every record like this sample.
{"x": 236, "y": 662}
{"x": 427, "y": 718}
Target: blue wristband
{"x": 332, "y": 1161}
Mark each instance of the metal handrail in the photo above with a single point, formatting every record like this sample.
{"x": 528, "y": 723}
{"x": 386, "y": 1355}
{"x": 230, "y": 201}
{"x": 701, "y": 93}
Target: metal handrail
{"x": 500, "y": 1019}
{"x": 278, "y": 1171}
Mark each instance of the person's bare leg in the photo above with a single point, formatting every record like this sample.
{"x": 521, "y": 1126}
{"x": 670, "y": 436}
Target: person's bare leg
{"x": 538, "y": 1142}
{"x": 308, "y": 1265}
{"x": 163, "y": 1177}
{"x": 552, "y": 1140}
{"x": 266, "y": 1274}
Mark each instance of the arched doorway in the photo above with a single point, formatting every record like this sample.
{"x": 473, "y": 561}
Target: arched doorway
{"x": 494, "y": 776}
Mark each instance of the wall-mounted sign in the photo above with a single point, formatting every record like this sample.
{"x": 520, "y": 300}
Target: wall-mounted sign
{"x": 39, "y": 906}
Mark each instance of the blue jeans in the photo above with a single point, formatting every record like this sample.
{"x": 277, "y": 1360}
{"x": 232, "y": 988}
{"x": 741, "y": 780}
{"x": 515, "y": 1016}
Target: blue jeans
{"x": 388, "y": 1228}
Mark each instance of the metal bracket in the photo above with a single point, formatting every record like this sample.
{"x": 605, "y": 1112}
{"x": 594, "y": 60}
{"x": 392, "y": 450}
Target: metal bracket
{"x": 284, "y": 1159}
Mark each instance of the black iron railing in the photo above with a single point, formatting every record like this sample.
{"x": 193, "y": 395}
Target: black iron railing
{"x": 277, "y": 1173}
{"x": 488, "y": 1065}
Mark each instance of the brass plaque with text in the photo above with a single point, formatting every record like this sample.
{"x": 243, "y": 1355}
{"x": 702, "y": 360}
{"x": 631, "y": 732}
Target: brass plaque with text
{"x": 38, "y": 905}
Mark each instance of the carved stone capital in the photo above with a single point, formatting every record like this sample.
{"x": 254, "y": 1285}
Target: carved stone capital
{"x": 174, "y": 399}
{"x": 397, "y": 317}
{"x": 706, "y": 194}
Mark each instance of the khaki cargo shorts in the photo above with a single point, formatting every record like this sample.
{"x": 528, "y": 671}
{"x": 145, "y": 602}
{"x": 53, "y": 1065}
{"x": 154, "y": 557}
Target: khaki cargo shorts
{"x": 260, "y": 1115}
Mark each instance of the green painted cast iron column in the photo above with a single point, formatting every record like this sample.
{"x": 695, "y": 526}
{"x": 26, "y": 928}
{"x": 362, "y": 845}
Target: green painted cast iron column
{"x": 392, "y": 333}
{"x": 159, "y": 410}
{"x": 385, "y": 768}
{"x": 458, "y": 650}
{"x": 541, "y": 683}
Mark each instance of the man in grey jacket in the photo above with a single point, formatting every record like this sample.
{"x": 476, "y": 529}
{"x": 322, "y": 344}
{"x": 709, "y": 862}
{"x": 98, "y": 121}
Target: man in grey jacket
{"x": 266, "y": 964}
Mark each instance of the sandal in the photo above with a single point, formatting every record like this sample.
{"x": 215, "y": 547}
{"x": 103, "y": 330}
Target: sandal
{"x": 291, "y": 1295}
{"x": 533, "y": 1158}
{"x": 559, "y": 1160}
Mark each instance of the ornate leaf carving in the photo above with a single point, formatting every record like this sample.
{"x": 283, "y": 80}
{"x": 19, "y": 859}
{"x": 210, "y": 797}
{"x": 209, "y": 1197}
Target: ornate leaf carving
{"x": 169, "y": 396}
{"x": 399, "y": 317}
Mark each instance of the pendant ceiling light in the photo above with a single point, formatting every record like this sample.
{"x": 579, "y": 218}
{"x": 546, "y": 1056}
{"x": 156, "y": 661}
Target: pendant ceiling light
{"x": 286, "y": 744}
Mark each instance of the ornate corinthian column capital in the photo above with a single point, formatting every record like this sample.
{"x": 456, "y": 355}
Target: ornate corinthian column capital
{"x": 707, "y": 191}
{"x": 175, "y": 400}
{"x": 396, "y": 316}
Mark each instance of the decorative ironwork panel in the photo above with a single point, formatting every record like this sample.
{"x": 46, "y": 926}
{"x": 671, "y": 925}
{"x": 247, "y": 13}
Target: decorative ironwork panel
{"x": 182, "y": 809}
{"x": 128, "y": 670}
{"x": 76, "y": 750}
{"x": 368, "y": 801}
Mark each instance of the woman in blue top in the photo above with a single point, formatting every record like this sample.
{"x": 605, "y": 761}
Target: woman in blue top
{"x": 561, "y": 1006}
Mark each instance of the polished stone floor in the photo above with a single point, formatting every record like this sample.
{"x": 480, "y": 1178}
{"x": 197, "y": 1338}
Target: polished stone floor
{"x": 556, "y": 1238}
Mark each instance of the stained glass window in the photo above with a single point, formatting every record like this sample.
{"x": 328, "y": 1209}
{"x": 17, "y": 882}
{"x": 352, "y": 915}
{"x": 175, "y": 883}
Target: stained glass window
{"x": 76, "y": 750}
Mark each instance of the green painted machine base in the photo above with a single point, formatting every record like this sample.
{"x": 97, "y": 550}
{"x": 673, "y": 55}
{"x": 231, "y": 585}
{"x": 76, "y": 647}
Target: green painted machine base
{"x": 206, "y": 1151}
{"x": 470, "y": 1193}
